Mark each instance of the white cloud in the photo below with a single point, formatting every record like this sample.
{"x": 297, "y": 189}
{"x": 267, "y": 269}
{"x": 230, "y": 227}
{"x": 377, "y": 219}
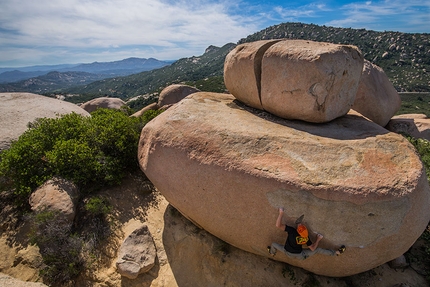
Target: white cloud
{"x": 47, "y": 31}
{"x": 390, "y": 15}
{"x": 82, "y": 24}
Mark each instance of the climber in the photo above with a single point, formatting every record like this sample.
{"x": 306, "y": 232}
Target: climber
{"x": 297, "y": 237}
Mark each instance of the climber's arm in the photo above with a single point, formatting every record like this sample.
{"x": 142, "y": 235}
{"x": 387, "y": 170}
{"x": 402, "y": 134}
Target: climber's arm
{"x": 314, "y": 245}
{"x": 279, "y": 219}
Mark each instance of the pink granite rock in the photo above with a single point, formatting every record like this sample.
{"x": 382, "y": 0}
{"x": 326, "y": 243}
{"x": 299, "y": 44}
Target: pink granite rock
{"x": 376, "y": 99}
{"x": 228, "y": 168}
{"x": 103, "y": 102}
{"x": 295, "y": 79}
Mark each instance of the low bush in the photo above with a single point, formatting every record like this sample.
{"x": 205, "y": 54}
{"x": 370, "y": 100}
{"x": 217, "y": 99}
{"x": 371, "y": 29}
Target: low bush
{"x": 90, "y": 151}
{"x": 423, "y": 148}
{"x": 61, "y": 251}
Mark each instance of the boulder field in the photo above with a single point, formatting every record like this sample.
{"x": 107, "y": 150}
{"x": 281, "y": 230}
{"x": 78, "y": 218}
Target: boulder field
{"x": 228, "y": 167}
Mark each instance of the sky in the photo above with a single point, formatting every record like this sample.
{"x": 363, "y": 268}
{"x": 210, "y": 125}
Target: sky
{"x": 47, "y": 32}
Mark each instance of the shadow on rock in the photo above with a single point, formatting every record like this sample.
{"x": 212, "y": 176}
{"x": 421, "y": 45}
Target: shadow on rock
{"x": 348, "y": 127}
{"x": 197, "y": 258}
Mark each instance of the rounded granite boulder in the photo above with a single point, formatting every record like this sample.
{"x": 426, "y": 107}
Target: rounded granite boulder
{"x": 228, "y": 168}
{"x": 295, "y": 79}
{"x": 19, "y": 109}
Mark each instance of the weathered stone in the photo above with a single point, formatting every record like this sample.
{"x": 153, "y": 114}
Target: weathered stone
{"x": 103, "y": 102}
{"x": 228, "y": 168}
{"x": 153, "y": 106}
{"x": 310, "y": 81}
{"x": 137, "y": 253}
{"x": 295, "y": 79}
{"x": 8, "y": 281}
{"x": 376, "y": 98}
{"x": 18, "y": 109}
{"x": 57, "y": 195}
{"x": 415, "y": 125}
{"x": 242, "y": 71}
{"x": 174, "y": 93}
{"x": 399, "y": 263}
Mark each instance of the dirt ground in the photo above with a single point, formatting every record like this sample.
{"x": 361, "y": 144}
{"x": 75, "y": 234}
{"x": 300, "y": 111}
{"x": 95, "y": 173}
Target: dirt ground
{"x": 186, "y": 255}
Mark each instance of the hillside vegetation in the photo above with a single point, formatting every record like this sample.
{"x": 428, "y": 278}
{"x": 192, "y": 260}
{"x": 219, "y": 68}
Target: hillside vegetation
{"x": 191, "y": 70}
{"x": 404, "y": 57}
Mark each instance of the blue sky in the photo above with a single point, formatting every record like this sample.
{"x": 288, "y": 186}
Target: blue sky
{"x": 82, "y": 31}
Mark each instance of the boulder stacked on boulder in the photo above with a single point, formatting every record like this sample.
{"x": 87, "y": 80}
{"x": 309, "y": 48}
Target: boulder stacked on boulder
{"x": 376, "y": 98}
{"x": 228, "y": 167}
{"x": 295, "y": 79}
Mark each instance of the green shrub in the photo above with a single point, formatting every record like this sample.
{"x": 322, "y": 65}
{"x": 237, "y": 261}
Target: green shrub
{"x": 90, "y": 151}
{"x": 97, "y": 206}
{"x": 423, "y": 148}
{"x": 61, "y": 251}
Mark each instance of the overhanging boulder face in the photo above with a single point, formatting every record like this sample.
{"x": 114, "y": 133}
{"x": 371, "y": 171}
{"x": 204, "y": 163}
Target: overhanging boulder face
{"x": 228, "y": 167}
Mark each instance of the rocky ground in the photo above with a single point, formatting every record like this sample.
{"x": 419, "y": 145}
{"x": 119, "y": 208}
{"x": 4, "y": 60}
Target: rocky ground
{"x": 186, "y": 255}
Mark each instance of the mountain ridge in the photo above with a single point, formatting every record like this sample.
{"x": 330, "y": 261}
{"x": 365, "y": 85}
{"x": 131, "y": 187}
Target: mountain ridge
{"x": 123, "y": 67}
{"x": 405, "y": 58}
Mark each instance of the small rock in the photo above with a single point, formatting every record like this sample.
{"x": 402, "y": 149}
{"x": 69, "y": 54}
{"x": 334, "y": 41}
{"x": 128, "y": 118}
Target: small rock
{"x": 137, "y": 253}
{"x": 399, "y": 263}
{"x": 415, "y": 125}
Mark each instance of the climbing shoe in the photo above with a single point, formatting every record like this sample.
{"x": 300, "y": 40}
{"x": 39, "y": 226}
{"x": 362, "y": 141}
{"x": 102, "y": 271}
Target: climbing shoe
{"x": 268, "y": 250}
{"x": 341, "y": 249}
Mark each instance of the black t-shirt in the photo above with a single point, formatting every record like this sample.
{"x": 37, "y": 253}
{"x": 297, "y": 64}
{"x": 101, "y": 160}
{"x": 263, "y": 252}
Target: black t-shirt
{"x": 292, "y": 245}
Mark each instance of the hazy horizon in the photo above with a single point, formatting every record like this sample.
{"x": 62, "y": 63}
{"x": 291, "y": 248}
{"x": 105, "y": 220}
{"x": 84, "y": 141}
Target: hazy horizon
{"x": 86, "y": 31}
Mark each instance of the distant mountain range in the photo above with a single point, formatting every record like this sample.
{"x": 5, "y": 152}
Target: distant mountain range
{"x": 100, "y": 69}
{"x": 404, "y": 57}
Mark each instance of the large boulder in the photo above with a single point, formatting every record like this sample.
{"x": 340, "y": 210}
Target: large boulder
{"x": 103, "y": 102}
{"x": 415, "y": 125}
{"x": 295, "y": 79}
{"x": 228, "y": 168}
{"x": 153, "y": 106}
{"x": 174, "y": 93}
{"x": 18, "y": 109}
{"x": 242, "y": 71}
{"x": 376, "y": 98}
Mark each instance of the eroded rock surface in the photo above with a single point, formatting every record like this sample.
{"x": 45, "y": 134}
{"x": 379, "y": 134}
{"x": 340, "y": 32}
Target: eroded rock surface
{"x": 103, "y": 102}
{"x": 137, "y": 253}
{"x": 416, "y": 125}
{"x": 228, "y": 168}
{"x": 18, "y": 109}
{"x": 57, "y": 195}
{"x": 295, "y": 79}
{"x": 376, "y": 99}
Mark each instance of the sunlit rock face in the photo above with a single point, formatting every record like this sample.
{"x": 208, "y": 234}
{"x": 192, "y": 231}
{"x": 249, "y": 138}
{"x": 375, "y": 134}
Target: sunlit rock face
{"x": 376, "y": 98}
{"x": 295, "y": 79}
{"x": 228, "y": 167}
